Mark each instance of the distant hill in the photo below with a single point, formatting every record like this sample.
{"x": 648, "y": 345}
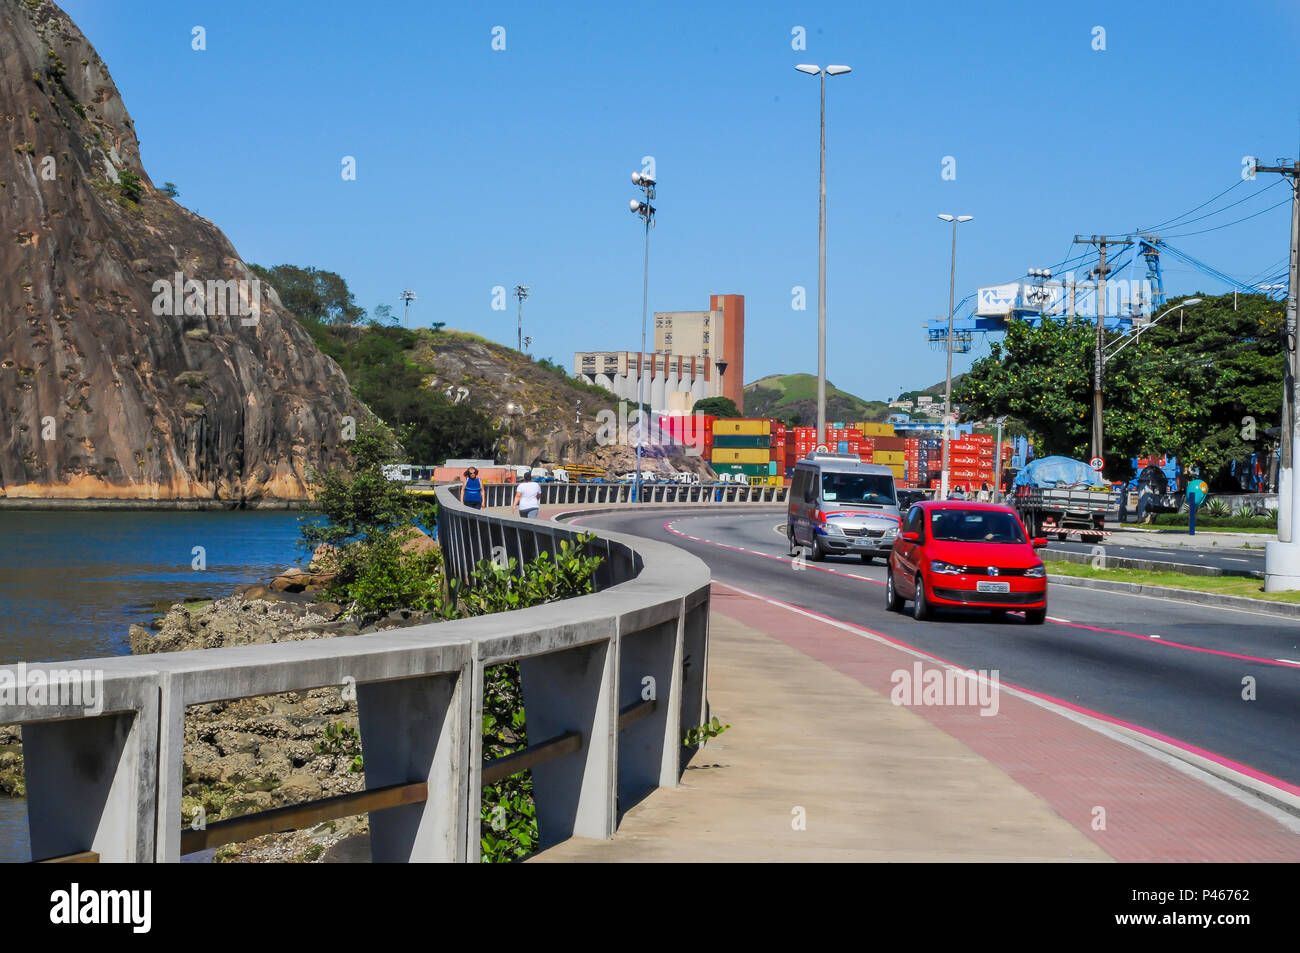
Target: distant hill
{"x": 790, "y": 396}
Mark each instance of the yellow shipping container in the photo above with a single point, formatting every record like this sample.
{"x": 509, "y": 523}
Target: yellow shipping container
{"x": 739, "y": 425}
{"x": 876, "y": 430}
{"x": 887, "y": 457}
{"x": 741, "y": 455}
{"x": 898, "y": 470}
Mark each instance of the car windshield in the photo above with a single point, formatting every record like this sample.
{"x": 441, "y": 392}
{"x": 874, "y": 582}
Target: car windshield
{"x": 975, "y": 526}
{"x": 859, "y": 488}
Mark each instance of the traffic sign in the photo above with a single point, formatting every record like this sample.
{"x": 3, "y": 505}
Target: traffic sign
{"x": 823, "y": 449}
{"x": 1097, "y": 463}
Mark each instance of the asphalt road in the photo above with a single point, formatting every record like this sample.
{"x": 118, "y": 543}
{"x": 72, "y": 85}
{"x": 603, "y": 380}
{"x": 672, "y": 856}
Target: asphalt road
{"x": 1168, "y": 667}
{"x": 1240, "y": 561}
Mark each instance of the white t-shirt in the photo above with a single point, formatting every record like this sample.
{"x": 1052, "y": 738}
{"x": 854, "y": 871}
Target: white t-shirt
{"x": 530, "y": 496}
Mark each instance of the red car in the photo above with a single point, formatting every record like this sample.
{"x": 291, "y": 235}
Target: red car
{"x": 962, "y": 555}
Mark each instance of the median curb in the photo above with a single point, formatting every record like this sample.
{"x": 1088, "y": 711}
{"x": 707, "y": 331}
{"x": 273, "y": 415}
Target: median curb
{"x": 1289, "y": 610}
{"x": 1152, "y": 565}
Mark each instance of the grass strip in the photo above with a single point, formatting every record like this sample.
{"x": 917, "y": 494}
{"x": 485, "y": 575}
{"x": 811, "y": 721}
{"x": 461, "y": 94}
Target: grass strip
{"x": 1222, "y": 585}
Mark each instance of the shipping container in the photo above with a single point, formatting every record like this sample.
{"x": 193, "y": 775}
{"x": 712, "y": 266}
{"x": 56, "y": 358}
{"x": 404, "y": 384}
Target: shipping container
{"x": 741, "y": 425}
{"x": 732, "y": 455}
{"x": 748, "y": 469}
{"x": 740, "y": 441}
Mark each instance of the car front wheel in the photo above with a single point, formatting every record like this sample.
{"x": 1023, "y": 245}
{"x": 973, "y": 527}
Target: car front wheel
{"x": 1035, "y": 616}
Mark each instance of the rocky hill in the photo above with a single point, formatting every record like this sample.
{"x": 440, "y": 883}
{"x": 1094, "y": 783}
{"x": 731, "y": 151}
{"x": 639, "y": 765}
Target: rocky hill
{"x": 546, "y": 416}
{"x": 139, "y": 357}
{"x": 785, "y": 396}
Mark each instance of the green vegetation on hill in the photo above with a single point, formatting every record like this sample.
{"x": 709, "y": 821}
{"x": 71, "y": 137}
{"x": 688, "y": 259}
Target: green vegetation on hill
{"x": 793, "y": 398}
{"x": 716, "y": 407}
{"x": 380, "y": 363}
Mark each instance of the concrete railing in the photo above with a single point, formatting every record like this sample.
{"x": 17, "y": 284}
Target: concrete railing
{"x": 502, "y": 494}
{"x": 109, "y": 780}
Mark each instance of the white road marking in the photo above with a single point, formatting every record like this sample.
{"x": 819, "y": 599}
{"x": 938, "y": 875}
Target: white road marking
{"x": 1153, "y": 636}
{"x": 1288, "y": 660}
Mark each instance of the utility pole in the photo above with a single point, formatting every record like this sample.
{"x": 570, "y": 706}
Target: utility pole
{"x": 1101, "y": 241}
{"x": 1282, "y": 559}
{"x": 521, "y": 292}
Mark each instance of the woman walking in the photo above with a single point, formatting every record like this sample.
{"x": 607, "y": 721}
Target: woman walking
{"x": 528, "y": 498}
{"x": 472, "y": 494}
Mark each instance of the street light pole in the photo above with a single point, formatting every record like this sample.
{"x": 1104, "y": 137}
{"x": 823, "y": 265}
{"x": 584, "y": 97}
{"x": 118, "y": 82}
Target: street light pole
{"x": 821, "y": 247}
{"x": 521, "y": 292}
{"x": 646, "y": 183}
{"x": 947, "y": 387}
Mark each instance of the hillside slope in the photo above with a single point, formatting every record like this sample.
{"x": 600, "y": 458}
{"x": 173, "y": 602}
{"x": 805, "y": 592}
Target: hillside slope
{"x": 107, "y": 388}
{"x": 546, "y": 417}
{"x": 785, "y": 396}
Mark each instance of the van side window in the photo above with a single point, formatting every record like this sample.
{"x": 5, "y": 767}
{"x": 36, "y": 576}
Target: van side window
{"x": 810, "y": 486}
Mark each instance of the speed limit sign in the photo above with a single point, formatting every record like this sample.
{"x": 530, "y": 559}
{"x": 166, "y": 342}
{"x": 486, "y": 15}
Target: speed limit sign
{"x": 822, "y": 449}
{"x": 1097, "y": 463}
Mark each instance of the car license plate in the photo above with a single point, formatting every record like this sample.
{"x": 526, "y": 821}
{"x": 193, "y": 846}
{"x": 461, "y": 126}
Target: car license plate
{"x": 992, "y": 587}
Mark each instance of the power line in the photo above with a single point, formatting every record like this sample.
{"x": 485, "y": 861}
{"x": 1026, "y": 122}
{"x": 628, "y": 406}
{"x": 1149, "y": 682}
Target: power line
{"x": 1198, "y": 218}
{"x": 1202, "y": 231}
{"x": 1197, "y": 209}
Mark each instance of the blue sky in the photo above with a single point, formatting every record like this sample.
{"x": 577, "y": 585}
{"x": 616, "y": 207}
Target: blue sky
{"x": 478, "y": 168}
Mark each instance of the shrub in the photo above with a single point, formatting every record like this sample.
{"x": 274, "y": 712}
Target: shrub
{"x": 129, "y": 186}
{"x": 1217, "y": 507}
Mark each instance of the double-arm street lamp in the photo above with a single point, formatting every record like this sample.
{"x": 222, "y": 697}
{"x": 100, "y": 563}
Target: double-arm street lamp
{"x": 821, "y": 250}
{"x": 948, "y": 422}
{"x": 645, "y": 182}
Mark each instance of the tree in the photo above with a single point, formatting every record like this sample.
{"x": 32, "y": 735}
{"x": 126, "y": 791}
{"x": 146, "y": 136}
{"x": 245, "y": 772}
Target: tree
{"x": 716, "y": 407}
{"x": 129, "y": 186}
{"x": 169, "y": 189}
{"x": 1202, "y": 388}
{"x": 384, "y": 315}
{"x": 313, "y": 295}
{"x": 359, "y": 502}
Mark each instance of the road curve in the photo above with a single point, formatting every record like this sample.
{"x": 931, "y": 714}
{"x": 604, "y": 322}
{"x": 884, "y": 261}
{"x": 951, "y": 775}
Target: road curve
{"x": 1177, "y": 672}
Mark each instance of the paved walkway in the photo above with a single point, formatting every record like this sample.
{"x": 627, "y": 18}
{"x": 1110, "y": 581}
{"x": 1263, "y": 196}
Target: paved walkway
{"x": 814, "y": 730}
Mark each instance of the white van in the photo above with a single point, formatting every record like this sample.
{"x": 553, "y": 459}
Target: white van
{"x": 838, "y": 504}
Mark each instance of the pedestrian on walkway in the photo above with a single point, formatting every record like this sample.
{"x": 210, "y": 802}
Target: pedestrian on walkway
{"x": 472, "y": 493}
{"x": 528, "y": 498}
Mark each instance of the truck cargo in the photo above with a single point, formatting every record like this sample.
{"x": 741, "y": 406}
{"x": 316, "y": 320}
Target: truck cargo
{"x": 1062, "y": 496}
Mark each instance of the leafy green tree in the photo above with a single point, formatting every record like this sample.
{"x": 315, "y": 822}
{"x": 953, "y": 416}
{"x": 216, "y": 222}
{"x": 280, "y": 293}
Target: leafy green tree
{"x": 359, "y": 502}
{"x": 1203, "y": 388}
{"x": 129, "y": 186}
{"x": 169, "y": 189}
{"x": 716, "y": 407}
{"x": 313, "y": 295}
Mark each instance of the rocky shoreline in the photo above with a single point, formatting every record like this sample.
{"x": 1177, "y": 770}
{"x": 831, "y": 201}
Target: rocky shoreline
{"x": 108, "y": 503}
{"x": 253, "y": 754}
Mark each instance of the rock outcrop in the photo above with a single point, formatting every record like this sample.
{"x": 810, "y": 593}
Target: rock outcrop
{"x": 139, "y": 356}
